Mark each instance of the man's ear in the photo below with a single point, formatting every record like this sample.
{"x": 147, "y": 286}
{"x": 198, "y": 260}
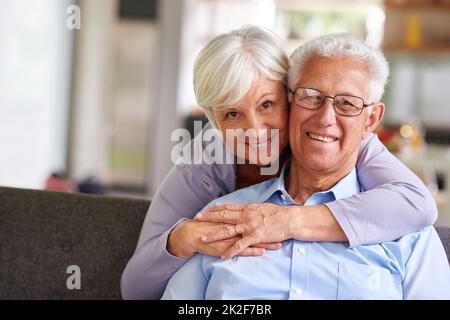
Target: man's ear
{"x": 374, "y": 117}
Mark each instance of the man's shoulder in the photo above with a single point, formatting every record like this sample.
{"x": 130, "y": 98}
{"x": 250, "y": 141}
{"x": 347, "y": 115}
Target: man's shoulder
{"x": 412, "y": 238}
{"x": 420, "y": 240}
{"x": 423, "y": 234}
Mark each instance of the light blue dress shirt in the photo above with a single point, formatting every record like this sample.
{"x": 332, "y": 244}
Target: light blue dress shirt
{"x": 412, "y": 267}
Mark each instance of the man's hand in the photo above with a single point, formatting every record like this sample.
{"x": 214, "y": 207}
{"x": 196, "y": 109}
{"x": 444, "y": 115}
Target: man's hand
{"x": 255, "y": 223}
{"x": 185, "y": 240}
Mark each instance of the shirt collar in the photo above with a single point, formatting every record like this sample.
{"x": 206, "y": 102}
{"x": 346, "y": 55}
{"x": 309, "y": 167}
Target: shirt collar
{"x": 275, "y": 184}
{"x": 346, "y": 187}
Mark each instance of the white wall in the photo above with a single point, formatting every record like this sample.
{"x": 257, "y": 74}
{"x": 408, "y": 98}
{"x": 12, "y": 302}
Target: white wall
{"x": 35, "y": 66}
{"x": 166, "y": 116}
{"x": 92, "y": 83}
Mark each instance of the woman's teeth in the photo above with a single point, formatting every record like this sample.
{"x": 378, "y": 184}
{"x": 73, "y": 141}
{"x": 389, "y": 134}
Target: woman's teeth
{"x": 258, "y": 145}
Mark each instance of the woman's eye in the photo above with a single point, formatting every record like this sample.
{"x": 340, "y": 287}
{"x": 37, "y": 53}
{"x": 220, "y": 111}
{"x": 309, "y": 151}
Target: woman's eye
{"x": 231, "y": 115}
{"x": 266, "y": 105}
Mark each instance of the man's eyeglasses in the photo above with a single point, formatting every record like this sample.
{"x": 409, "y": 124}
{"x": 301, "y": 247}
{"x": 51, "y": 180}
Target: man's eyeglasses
{"x": 345, "y": 105}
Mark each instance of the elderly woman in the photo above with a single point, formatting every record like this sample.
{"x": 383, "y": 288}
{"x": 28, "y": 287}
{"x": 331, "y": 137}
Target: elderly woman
{"x": 240, "y": 79}
{"x": 336, "y": 83}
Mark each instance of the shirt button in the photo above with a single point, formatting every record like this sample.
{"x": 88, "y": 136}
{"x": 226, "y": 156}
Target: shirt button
{"x": 301, "y": 250}
{"x": 283, "y": 197}
{"x": 298, "y": 292}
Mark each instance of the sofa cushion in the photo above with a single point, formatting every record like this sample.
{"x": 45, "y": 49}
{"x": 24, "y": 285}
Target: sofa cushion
{"x": 42, "y": 233}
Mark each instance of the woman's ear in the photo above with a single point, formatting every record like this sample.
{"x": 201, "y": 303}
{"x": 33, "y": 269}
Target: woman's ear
{"x": 374, "y": 117}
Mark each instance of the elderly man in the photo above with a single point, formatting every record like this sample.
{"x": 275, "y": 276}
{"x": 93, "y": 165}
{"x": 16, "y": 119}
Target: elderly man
{"x": 335, "y": 85}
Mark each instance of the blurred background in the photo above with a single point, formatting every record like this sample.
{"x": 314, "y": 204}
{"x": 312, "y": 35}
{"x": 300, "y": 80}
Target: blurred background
{"x": 91, "y": 90}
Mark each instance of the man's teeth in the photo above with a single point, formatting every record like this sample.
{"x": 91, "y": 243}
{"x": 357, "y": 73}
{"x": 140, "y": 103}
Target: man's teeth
{"x": 321, "y": 138}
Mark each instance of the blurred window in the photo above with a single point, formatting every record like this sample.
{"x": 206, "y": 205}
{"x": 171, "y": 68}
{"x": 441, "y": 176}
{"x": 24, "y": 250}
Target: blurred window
{"x": 206, "y": 19}
{"x": 295, "y": 21}
{"x": 304, "y": 20}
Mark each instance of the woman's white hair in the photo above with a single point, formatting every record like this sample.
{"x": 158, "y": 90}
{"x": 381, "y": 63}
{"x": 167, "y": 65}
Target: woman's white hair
{"x": 342, "y": 45}
{"x": 226, "y": 68}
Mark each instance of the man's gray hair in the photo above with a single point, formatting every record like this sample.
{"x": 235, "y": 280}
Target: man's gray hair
{"x": 226, "y": 68}
{"x": 342, "y": 45}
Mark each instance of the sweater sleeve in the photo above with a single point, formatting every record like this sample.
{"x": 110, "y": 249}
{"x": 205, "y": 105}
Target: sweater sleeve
{"x": 183, "y": 193}
{"x": 396, "y": 201}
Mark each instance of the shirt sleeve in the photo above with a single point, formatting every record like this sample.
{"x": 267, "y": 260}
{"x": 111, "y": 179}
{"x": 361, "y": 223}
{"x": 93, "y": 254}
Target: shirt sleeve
{"x": 396, "y": 203}
{"x": 183, "y": 193}
{"x": 427, "y": 275}
{"x": 188, "y": 283}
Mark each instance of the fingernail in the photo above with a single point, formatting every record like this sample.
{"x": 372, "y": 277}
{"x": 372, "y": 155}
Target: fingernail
{"x": 199, "y": 216}
{"x": 204, "y": 238}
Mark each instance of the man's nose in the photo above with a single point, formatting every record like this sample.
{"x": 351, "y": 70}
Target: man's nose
{"x": 326, "y": 114}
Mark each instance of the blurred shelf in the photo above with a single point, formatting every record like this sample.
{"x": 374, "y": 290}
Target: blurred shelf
{"x": 415, "y": 27}
{"x": 324, "y": 5}
{"x": 417, "y": 7}
{"x": 429, "y": 49}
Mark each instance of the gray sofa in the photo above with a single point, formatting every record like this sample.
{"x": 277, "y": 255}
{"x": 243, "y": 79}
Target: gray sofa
{"x": 42, "y": 233}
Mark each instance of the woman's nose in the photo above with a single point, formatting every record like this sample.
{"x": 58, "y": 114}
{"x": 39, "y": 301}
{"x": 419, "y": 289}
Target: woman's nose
{"x": 256, "y": 122}
{"x": 257, "y": 127}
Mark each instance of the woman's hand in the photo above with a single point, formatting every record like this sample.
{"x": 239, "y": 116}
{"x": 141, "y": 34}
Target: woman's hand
{"x": 185, "y": 240}
{"x": 256, "y": 223}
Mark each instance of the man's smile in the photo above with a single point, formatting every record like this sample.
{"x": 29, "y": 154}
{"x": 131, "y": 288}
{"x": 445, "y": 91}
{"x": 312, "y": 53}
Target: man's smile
{"x": 321, "y": 137}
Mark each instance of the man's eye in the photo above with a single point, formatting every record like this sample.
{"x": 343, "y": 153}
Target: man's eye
{"x": 347, "y": 103}
{"x": 266, "y": 105}
{"x": 312, "y": 99}
{"x": 231, "y": 115}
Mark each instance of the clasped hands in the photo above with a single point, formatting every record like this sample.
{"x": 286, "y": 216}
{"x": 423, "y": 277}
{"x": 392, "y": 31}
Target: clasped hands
{"x": 230, "y": 230}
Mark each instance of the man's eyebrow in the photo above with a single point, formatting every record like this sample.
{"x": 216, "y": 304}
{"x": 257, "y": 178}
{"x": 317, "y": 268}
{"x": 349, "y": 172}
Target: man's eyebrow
{"x": 346, "y": 93}
{"x": 340, "y": 93}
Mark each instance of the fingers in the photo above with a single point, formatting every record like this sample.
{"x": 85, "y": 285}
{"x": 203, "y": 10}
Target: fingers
{"x": 224, "y": 216}
{"x": 227, "y": 249}
{"x": 229, "y": 207}
{"x": 225, "y": 232}
{"x": 269, "y": 245}
{"x": 238, "y": 247}
{"x": 216, "y": 249}
{"x": 252, "y": 252}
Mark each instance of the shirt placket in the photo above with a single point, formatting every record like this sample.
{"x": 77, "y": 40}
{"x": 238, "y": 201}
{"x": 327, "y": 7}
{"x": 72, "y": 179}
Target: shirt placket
{"x": 299, "y": 270}
{"x": 298, "y": 289}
